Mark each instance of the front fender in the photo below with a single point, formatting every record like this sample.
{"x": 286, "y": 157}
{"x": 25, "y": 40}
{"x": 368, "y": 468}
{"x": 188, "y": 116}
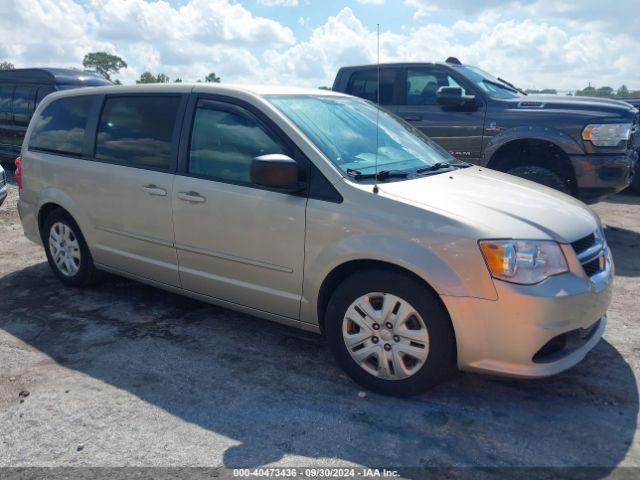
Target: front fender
{"x": 425, "y": 261}
{"x": 552, "y": 135}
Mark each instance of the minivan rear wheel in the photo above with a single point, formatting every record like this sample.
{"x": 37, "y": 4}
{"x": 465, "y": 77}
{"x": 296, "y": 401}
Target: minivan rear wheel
{"x": 67, "y": 250}
{"x": 390, "y": 332}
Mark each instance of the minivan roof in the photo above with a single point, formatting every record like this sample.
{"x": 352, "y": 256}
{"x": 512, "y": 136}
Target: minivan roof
{"x": 258, "y": 90}
{"x": 53, "y": 76}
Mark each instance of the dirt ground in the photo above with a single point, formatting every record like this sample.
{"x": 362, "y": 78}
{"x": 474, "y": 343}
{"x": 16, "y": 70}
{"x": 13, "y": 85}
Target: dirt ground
{"x": 125, "y": 374}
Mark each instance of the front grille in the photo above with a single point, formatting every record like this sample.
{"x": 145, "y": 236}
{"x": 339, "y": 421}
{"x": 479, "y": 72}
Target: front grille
{"x": 590, "y": 250}
{"x": 584, "y": 243}
{"x": 592, "y": 267}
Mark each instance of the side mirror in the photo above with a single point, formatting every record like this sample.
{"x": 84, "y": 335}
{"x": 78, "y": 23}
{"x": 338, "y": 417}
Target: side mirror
{"x": 275, "y": 171}
{"x": 452, "y": 97}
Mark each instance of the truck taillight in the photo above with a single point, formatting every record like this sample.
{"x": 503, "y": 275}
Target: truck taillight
{"x": 18, "y": 172}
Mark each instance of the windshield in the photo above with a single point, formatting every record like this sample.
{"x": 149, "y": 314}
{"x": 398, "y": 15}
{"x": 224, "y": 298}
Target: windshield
{"x": 344, "y": 129}
{"x": 493, "y": 86}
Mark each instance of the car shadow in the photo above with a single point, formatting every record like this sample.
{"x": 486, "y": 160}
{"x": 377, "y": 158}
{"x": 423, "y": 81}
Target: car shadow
{"x": 625, "y": 245}
{"x": 277, "y": 391}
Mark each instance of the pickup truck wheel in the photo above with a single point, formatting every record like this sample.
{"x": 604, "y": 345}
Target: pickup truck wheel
{"x": 390, "y": 333}
{"x": 540, "y": 175}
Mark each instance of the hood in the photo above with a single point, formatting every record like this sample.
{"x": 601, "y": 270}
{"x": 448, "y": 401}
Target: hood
{"x": 589, "y": 106}
{"x": 499, "y": 205}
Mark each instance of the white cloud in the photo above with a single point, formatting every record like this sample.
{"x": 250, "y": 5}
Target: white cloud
{"x": 527, "y": 52}
{"x": 199, "y": 36}
{"x": 612, "y": 16}
{"x": 279, "y": 3}
{"x": 186, "y": 41}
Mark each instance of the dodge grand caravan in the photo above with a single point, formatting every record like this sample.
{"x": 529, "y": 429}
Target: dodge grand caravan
{"x": 316, "y": 210}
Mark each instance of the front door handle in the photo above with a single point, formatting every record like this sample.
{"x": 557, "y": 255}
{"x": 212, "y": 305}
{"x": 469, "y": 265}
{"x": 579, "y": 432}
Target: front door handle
{"x": 193, "y": 197}
{"x": 152, "y": 189}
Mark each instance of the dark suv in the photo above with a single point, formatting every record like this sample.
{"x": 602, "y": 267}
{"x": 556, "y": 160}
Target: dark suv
{"x": 582, "y": 146}
{"x": 21, "y": 91}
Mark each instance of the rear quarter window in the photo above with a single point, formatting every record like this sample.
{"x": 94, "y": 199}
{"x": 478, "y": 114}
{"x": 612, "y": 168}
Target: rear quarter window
{"x": 61, "y": 126}
{"x": 364, "y": 84}
{"x": 138, "y": 131}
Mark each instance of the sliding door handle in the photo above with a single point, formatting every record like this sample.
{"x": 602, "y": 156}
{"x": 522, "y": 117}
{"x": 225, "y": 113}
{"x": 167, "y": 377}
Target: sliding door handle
{"x": 193, "y": 197}
{"x": 152, "y": 189}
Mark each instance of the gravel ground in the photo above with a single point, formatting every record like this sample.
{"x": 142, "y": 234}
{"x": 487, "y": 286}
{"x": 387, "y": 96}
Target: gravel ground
{"x": 125, "y": 374}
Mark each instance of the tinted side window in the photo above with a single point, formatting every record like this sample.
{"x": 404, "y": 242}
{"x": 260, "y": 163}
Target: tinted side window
{"x": 60, "y": 127}
{"x": 423, "y": 85}
{"x": 23, "y": 105}
{"x": 43, "y": 92}
{"x": 138, "y": 131}
{"x": 223, "y": 144}
{"x": 364, "y": 84}
{"x": 6, "y": 94}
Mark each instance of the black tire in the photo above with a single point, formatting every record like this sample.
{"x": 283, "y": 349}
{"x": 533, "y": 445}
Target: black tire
{"x": 440, "y": 361}
{"x": 86, "y": 274}
{"x": 540, "y": 175}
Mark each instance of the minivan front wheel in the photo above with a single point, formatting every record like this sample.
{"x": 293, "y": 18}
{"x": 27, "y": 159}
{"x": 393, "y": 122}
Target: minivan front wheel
{"x": 67, "y": 250}
{"x": 390, "y": 332}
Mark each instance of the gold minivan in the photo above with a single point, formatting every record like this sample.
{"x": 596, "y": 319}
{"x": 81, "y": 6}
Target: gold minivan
{"x": 317, "y": 210}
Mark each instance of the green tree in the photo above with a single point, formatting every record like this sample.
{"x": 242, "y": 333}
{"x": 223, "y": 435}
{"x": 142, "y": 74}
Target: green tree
{"x": 623, "y": 92}
{"x": 604, "y": 92}
{"x": 587, "y": 92}
{"x": 148, "y": 77}
{"x": 177, "y": 80}
{"x": 104, "y": 63}
{"x": 546, "y": 91}
{"x": 212, "y": 78}
{"x": 6, "y": 66}
{"x": 324, "y": 88}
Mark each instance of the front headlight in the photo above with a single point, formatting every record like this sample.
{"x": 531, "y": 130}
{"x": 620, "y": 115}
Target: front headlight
{"x": 523, "y": 261}
{"x": 607, "y": 134}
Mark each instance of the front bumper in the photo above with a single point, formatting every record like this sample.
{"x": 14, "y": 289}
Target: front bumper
{"x": 533, "y": 330}
{"x": 598, "y": 176}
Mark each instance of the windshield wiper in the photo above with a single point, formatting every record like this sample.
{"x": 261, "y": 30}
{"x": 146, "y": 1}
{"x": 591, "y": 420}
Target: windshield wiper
{"x": 512, "y": 86}
{"x": 382, "y": 175}
{"x": 501, "y": 85}
{"x": 440, "y": 166}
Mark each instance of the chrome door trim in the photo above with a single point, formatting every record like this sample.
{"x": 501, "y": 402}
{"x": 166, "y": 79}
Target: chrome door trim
{"x": 232, "y": 258}
{"x": 136, "y": 236}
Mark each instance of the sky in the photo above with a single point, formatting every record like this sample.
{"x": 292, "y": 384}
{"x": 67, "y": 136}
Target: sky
{"x": 532, "y": 43}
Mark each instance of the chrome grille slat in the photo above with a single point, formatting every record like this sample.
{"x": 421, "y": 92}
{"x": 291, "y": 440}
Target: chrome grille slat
{"x": 589, "y": 249}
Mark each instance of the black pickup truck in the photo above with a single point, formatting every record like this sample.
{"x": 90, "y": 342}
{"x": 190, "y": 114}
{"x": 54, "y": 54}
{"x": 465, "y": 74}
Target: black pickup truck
{"x": 579, "y": 145}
